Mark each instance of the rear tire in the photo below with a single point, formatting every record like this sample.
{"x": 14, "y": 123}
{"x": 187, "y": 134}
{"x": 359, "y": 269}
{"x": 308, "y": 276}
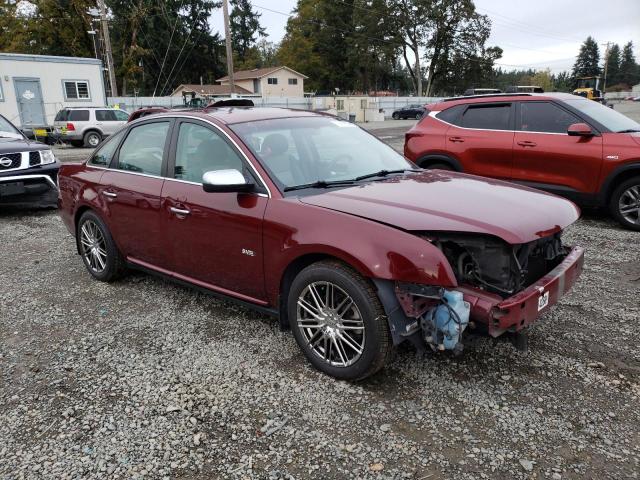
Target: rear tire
{"x": 418, "y": 116}
{"x": 338, "y": 321}
{"x": 99, "y": 252}
{"x": 92, "y": 139}
{"x": 624, "y": 204}
{"x": 439, "y": 166}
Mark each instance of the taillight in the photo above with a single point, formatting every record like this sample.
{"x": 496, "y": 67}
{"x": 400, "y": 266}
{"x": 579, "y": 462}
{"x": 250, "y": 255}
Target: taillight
{"x": 70, "y": 126}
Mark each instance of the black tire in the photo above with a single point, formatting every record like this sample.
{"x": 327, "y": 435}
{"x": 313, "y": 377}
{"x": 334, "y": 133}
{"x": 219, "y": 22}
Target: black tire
{"x": 92, "y": 139}
{"x": 622, "y": 197}
{"x": 418, "y": 116}
{"x": 439, "y": 166}
{"x": 114, "y": 264}
{"x": 376, "y": 338}
{"x": 77, "y": 143}
{"x": 395, "y": 116}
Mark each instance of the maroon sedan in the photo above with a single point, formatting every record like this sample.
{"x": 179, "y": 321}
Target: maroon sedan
{"x": 317, "y": 222}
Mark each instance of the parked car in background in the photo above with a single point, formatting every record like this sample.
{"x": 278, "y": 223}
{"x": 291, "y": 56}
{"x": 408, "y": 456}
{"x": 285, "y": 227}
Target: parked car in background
{"x": 410, "y": 111}
{"x": 146, "y": 111}
{"x": 28, "y": 170}
{"x": 314, "y": 220}
{"x": 88, "y": 126}
{"x": 524, "y": 89}
{"x": 481, "y": 91}
{"x": 560, "y": 143}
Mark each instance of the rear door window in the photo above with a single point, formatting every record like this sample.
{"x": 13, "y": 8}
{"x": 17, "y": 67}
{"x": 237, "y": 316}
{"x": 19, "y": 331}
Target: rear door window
{"x": 487, "y": 117}
{"x": 544, "y": 117}
{"x": 451, "y": 115}
{"x": 143, "y": 149}
{"x": 78, "y": 116}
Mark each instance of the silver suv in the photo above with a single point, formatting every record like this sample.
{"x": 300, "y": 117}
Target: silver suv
{"x": 87, "y": 126}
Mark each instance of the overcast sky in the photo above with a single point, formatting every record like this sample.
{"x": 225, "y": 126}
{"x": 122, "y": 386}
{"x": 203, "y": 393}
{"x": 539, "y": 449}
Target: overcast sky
{"x": 537, "y": 34}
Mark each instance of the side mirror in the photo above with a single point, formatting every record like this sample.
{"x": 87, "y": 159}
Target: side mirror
{"x": 580, "y": 130}
{"x": 226, "y": 181}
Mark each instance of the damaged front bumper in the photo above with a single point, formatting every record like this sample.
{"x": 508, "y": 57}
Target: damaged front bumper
{"x": 522, "y": 309}
{"x": 405, "y": 304}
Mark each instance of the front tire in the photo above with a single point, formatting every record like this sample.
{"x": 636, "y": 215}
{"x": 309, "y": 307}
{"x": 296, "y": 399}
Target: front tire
{"x": 625, "y": 204}
{"x": 395, "y": 116}
{"x": 99, "y": 253}
{"x": 338, "y": 321}
{"x": 418, "y": 116}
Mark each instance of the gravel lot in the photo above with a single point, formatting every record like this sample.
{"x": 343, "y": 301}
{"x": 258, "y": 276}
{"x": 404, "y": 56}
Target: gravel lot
{"x": 146, "y": 379}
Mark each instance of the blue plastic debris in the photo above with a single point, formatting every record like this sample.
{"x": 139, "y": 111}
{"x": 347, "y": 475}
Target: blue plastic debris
{"x": 443, "y": 325}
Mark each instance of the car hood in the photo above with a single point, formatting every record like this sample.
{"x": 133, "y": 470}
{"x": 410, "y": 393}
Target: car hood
{"x": 454, "y": 202}
{"x": 14, "y": 145}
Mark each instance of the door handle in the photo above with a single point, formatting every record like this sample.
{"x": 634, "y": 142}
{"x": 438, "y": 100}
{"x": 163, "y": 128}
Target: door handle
{"x": 456, "y": 139}
{"x": 110, "y": 194}
{"x": 179, "y": 211}
{"x": 527, "y": 143}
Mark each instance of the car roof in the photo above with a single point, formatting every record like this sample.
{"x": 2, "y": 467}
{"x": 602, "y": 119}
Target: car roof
{"x": 499, "y": 97}
{"x": 231, "y": 115}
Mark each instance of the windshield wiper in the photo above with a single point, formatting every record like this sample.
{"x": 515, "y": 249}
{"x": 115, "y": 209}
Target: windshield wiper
{"x": 384, "y": 173}
{"x": 319, "y": 184}
{"x": 629, "y": 130}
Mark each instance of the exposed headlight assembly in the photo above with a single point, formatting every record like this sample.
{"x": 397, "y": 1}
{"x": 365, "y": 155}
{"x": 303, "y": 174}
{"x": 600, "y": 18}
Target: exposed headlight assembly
{"x": 46, "y": 157}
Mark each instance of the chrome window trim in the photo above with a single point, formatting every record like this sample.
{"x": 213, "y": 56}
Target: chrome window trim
{"x": 264, "y": 184}
{"x": 433, "y": 114}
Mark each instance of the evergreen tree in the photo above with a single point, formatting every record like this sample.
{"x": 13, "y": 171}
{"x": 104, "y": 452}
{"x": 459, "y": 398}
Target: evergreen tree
{"x": 245, "y": 30}
{"x": 613, "y": 65}
{"x": 588, "y": 60}
{"x": 629, "y": 70}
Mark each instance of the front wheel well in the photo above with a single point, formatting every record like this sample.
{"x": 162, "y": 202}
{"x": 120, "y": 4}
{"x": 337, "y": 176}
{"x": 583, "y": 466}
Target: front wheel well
{"x": 617, "y": 180}
{"x": 290, "y": 273}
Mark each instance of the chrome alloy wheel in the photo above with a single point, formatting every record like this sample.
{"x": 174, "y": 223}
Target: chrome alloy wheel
{"x": 331, "y": 323}
{"x": 629, "y": 204}
{"x": 93, "y": 246}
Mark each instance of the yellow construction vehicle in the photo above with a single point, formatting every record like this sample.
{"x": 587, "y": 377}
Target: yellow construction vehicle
{"x": 589, "y": 87}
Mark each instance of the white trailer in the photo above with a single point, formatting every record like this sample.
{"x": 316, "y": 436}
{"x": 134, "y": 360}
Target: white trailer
{"x": 33, "y": 88}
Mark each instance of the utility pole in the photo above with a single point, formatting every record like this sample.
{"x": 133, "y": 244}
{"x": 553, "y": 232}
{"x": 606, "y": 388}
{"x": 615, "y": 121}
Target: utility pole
{"x": 227, "y": 34}
{"x": 107, "y": 47}
{"x": 606, "y": 64}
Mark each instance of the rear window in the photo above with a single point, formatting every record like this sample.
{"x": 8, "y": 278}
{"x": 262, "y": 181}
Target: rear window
{"x": 105, "y": 153}
{"x": 62, "y": 116}
{"x": 487, "y": 117}
{"x": 78, "y": 116}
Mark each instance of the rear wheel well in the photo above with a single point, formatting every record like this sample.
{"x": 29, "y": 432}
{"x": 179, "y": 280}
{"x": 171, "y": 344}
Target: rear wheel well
{"x": 76, "y": 219}
{"x": 426, "y": 162}
{"x": 290, "y": 273}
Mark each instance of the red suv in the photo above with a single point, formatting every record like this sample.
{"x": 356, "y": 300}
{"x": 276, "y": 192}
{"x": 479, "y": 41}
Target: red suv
{"x": 314, "y": 220}
{"x": 560, "y": 143}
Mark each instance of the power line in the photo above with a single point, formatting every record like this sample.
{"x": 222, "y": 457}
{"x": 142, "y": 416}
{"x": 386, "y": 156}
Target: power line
{"x": 168, "y": 47}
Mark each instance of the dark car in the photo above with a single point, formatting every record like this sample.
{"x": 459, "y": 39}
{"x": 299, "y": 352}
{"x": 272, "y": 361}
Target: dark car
{"x": 410, "y": 111}
{"x": 481, "y": 91}
{"x": 561, "y": 143}
{"x": 28, "y": 170}
{"x": 317, "y": 222}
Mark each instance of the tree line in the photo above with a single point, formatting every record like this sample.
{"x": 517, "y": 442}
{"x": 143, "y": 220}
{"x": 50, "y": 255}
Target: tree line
{"x": 419, "y": 47}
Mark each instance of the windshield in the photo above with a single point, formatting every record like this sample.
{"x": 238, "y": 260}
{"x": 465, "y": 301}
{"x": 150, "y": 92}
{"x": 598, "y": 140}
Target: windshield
{"x": 305, "y": 150}
{"x": 8, "y": 130}
{"x": 614, "y": 121}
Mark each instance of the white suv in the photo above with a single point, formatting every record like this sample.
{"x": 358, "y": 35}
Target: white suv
{"x": 87, "y": 126}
